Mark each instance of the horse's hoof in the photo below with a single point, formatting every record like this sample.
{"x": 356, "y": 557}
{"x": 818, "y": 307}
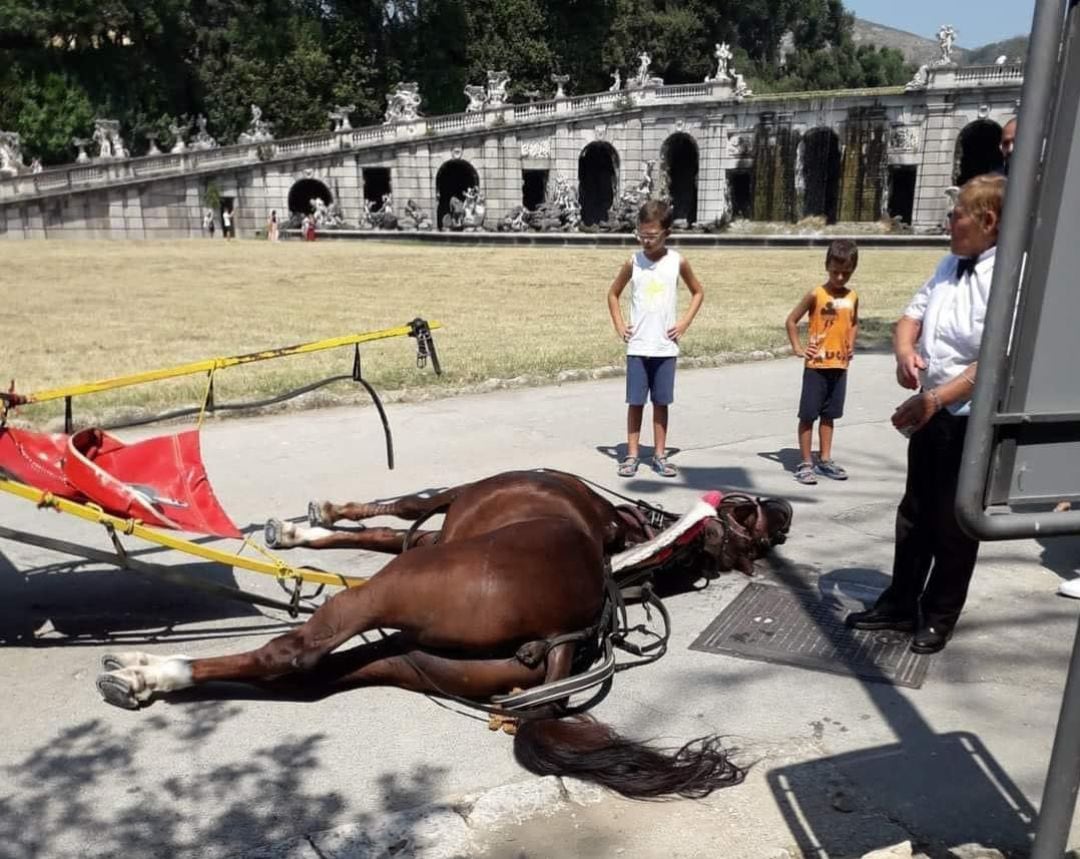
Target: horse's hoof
{"x": 117, "y": 691}
{"x": 315, "y": 516}
{"x": 272, "y": 533}
{"x": 111, "y": 662}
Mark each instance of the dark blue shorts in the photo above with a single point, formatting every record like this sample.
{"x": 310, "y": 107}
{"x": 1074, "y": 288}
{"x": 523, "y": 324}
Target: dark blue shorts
{"x": 650, "y": 379}
{"x": 823, "y": 393}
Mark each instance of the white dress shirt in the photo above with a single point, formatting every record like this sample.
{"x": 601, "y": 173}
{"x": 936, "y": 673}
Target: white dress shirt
{"x": 952, "y": 311}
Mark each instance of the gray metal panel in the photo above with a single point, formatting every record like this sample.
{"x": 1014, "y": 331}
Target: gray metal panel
{"x": 1023, "y": 443}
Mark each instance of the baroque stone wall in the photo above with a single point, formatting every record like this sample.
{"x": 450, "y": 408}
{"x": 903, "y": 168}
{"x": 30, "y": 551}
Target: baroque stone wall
{"x": 759, "y": 137}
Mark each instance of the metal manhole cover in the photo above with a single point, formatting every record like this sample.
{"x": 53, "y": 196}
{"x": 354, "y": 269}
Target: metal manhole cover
{"x": 771, "y": 623}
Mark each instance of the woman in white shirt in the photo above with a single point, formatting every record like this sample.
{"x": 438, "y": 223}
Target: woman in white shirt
{"x": 937, "y": 347}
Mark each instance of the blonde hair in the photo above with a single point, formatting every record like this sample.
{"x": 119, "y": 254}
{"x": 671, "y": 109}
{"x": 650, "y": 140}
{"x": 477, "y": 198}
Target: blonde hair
{"x": 983, "y": 194}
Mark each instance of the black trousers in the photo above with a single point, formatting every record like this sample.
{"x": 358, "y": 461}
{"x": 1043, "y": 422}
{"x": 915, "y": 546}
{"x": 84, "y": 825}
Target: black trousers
{"x": 934, "y": 558}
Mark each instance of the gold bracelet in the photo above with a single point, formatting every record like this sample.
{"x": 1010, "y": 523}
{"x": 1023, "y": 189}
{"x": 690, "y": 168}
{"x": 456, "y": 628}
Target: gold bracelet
{"x": 969, "y": 379}
{"x": 935, "y": 398}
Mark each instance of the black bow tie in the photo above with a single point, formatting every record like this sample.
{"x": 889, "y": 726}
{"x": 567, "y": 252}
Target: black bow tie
{"x": 965, "y": 265}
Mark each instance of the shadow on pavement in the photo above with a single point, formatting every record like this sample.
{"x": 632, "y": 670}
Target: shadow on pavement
{"x": 944, "y": 789}
{"x": 86, "y": 602}
{"x": 94, "y": 790}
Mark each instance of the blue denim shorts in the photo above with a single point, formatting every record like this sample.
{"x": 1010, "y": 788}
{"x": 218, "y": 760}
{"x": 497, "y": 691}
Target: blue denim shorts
{"x": 650, "y": 379}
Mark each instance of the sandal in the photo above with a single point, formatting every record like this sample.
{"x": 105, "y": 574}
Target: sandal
{"x": 805, "y": 473}
{"x": 628, "y": 467}
{"x": 664, "y": 468}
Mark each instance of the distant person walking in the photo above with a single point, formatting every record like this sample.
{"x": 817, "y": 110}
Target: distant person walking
{"x": 227, "y": 224}
{"x": 208, "y": 222}
{"x": 272, "y": 226}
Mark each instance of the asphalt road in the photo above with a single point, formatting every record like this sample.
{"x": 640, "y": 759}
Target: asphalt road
{"x": 961, "y": 759}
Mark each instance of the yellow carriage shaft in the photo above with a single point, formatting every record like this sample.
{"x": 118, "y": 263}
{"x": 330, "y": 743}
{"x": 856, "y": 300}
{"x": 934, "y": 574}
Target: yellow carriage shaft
{"x": 135, "y": 528}
{"x": 211, "y": 365}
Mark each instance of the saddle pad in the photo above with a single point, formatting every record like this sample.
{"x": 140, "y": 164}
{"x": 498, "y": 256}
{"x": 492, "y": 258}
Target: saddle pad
{"x": 688, "y": 527}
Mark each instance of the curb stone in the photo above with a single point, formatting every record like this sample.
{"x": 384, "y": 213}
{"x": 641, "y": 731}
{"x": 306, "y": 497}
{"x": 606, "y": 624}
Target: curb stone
{"x": 441, "y": 830}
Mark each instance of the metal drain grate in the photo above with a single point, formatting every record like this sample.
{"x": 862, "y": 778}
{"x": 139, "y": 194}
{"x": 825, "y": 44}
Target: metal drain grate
{"x": 776, "y": 624}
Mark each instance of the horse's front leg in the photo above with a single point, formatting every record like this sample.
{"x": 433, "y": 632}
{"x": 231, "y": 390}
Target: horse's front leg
{"x": 287, "y": 535}
{"x": 409, "y": 507}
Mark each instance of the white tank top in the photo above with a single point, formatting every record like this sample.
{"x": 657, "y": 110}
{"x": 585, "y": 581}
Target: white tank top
{"x": 653, "y": 300}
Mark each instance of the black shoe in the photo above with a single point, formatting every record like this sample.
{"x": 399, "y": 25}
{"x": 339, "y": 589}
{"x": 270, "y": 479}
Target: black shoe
{"x": 930, "y": 639}
{"x": 876, "y": 618}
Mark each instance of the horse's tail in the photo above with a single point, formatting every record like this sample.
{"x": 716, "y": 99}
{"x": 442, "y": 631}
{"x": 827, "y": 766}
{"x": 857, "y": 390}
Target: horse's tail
{"x": 584, "y": 748}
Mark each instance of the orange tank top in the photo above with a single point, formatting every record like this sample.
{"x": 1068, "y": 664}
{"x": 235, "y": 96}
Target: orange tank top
{"x": 832, "y": 319}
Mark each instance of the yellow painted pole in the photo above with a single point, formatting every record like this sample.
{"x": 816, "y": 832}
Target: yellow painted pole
{"x": 212, "y": 364}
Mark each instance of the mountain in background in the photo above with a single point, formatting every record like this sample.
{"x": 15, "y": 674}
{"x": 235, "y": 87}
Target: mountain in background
{"x": 919, "y": 50}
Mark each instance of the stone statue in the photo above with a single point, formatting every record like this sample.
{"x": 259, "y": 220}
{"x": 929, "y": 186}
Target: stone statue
{"x": 741, "y": 89}
{"x": 11, "y": 157}
{"x": 644, "y": 61}
{"x": 645, "y": 186}
{"x": 383, "y": 218}
{"x": 81, "y": 143}
{"x": 921, "y": 79}
{"x": 616, "y": 81}
{"x": 102, "y": 138}
{"x": 723, "y": 59}
{"x": 178, "y": 132}
{"x": 326, "y": 216}
{"x": 415, "y": 218}
{"x": 642, "y": 78}
{"x": 258, "y": 130}
{"x": 496, "y": 87}
{"x": 340, "y": 117}
{"x": 36, "y": 166}
{"x": 152, "y": 136}
{"x": 566, "y": 199}
{"x": 467, "y": 214}
{"x": 203, "y": 140}
{"x": 107, "y": 136}
{"x": 477, "y": 96}
{"x": 560, "y": 82}
{"x": 403, "y": 104}
{"x": 946, "y": 39}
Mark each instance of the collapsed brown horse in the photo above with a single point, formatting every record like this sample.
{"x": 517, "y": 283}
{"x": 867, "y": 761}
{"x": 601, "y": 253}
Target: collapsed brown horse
{"x": 509, "y": 594}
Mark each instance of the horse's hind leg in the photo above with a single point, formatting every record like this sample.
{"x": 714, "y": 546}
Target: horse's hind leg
{"x": 287, "y": 535}
{"x": 394, "y": 661}
{"x": 335, "y": 622}
{"x": 409, "y": 507}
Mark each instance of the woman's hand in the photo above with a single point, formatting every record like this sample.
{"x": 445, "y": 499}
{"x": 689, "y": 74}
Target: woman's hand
{"x": 915, "y": 412}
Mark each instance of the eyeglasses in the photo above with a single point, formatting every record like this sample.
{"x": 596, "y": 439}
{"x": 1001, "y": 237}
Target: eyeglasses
{"x": 650, "y": 237}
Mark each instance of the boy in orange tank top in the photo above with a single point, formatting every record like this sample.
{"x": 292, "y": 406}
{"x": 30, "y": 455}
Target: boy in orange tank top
{"x": 833, "y": 311}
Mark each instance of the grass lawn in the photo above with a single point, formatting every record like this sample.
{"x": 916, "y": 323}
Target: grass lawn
{"x": 75, "y": 311}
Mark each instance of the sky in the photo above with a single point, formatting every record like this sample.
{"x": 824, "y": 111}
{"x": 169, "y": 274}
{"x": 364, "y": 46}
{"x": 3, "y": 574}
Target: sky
{"x": 977, "y": 22}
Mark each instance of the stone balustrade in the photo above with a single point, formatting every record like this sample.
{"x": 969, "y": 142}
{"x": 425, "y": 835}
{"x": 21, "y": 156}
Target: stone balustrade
{"x": 77, "y": 177}
{"x": 953, "y": 77}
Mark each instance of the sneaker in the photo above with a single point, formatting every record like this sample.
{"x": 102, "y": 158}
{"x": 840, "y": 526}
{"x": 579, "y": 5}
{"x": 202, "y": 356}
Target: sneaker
{"x": 828, "y": 468}
{"x": 805, "y": 473}
{"x": 1071, "y": 588}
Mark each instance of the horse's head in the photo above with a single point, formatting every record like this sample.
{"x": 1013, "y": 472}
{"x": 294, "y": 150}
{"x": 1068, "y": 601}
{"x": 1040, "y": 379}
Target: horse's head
{"x": 744, "y": 530}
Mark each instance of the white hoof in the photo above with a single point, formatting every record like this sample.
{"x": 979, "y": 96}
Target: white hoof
{"x": 116, "y": 690}
{"x": 278, "y": 534}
